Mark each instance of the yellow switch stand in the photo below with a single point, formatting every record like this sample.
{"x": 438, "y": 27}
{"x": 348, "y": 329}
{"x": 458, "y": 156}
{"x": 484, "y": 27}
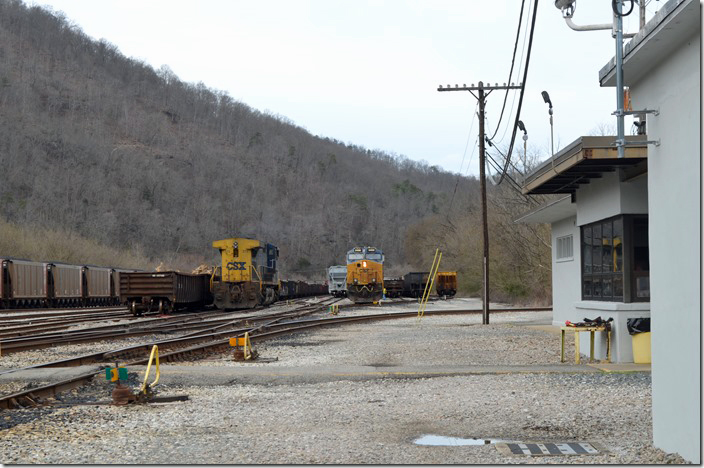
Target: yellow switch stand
{"x": 245, "y": 342}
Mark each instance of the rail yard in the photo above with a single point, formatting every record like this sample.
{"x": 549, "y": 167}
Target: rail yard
{"x": 236, "y": 365}
{"x": 333, "y": 382}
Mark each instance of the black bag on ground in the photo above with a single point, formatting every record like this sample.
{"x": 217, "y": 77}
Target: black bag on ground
{"x": 638, "y": 325}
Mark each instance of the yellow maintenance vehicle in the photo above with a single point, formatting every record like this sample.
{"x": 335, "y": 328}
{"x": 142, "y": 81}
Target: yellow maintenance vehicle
{"x": 247, "y": 277}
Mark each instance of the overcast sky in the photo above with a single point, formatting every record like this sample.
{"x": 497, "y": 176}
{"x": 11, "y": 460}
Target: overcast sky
{"x": 367, "y": 71}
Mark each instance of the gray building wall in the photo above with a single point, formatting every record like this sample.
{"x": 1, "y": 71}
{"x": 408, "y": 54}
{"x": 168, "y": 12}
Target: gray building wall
{"x": 566, "y": 291}
{"x": 674, "y": 184}
{"x": 608, "y": 196}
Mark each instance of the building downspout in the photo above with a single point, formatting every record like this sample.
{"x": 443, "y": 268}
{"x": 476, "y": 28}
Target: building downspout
{"x": 620, "y": 130}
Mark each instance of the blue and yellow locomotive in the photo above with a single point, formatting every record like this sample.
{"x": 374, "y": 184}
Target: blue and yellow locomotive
{"x": 248, "y": 276}
{"x": 365, "y": 274}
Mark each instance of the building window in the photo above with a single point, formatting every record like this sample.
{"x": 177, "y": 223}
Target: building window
{"x": 563, "y": 249}
{"x": 615, "y": 263}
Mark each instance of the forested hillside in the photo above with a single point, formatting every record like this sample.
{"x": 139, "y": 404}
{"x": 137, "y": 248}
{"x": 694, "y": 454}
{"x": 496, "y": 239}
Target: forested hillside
{"x": 106, "y": 147}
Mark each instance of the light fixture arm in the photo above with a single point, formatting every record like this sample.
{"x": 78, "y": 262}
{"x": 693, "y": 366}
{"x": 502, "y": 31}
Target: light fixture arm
{"x": 568, "y": 7}
{"x": 588, "y": 27}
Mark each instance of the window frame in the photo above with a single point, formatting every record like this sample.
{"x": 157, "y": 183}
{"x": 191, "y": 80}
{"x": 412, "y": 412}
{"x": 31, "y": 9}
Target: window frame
{"x": 621, "y": 276}
{"x": 558, "y": 248}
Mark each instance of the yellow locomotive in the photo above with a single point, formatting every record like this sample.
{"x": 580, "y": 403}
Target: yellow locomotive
{"x": 365, "y": 274}
{"x": 248, "y": 276}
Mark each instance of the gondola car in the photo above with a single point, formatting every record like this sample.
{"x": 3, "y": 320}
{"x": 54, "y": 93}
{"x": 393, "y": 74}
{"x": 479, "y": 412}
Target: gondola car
{"x": 393, "y": 287}
{"x": 68, "y": 284}
{"x": 163, "y": 291}
{"x": 98, "y": 285}
{"x": 247, "y": 276}
{"x": 290, "y": 289}
{"x": 414, "y": 283}
{"x": 24, "y": 283}
{"x": 365, "y": 274}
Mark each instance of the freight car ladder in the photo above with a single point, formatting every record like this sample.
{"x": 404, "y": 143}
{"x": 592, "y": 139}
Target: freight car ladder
{"x": 429, "y": 284}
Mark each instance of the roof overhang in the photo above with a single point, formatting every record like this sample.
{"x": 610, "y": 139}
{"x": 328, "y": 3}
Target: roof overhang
{"x": 586, "y": 158}
{"x": 675, "y": 22}
{"x": 550, "y": 212}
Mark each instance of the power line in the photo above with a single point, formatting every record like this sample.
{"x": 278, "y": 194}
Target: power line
{"x": 457, "y": 181}
{"x": 512, "y": 182}
{"x": 520, "y": 65}
{"x": 510, "y": 73}
{"x": 523, "y": 88}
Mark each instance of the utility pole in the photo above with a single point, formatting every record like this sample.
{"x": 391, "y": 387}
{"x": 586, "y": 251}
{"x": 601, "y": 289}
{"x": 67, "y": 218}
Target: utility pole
{"x": 481, "y": 98}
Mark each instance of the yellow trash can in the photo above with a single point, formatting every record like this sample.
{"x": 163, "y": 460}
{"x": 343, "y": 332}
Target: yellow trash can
{"x": 641, "y": 348}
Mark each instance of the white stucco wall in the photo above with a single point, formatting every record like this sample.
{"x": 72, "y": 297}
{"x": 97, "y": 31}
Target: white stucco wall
{"x": 634, "y": 196}
{"x": 608, "y": 196}
{"x": 566, "y": 288}
{"x": 599, "y": 199}
{"x": 674, "y": 184}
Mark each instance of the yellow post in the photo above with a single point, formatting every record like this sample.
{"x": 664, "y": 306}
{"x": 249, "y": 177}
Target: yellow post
{"x": 425, "y": 290}
{"x": 247, "y": 347}
{"x": 154, "y": 354}
{"x": 212, "y": 276}
{"x": 429, "y": 284}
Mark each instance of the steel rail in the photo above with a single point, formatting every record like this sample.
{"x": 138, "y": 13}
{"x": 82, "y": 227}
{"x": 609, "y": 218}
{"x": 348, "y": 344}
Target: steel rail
{"x": 8, "y": 314}
{"x": 36, "y": 327}
{"x": 16, "y": 341}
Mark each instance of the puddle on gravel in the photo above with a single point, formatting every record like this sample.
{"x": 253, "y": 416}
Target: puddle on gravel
{"x": 437, "y": 440}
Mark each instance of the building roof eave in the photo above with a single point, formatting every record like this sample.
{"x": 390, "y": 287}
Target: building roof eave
{"x": 675, "y": 22}
{"x": 586, "y": 158}
{"x": 554, "y": 210}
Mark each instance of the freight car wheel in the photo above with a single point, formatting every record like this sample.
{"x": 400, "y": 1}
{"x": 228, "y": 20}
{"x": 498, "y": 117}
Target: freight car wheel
{"x": 134, "y": 310}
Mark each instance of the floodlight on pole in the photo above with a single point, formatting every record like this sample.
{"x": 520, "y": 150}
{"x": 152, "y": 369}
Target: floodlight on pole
{"x": 522, "y": 128}
{"x": 546, "y": 98}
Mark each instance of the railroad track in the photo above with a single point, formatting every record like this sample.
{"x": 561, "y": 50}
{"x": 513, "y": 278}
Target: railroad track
{"x": 45, "y": 335}
{"x": 207, "y": 330}
{"x": 200, "y": 344}
{"x": 30, "y": 314}
{"x": 54, "y": 331}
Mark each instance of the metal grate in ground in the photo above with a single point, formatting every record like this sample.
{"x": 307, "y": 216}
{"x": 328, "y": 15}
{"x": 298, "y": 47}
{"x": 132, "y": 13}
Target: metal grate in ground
{"x": 549, "y": 448}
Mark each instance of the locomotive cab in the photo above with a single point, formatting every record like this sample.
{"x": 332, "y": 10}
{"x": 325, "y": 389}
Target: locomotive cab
{"x": 365, "y": 274}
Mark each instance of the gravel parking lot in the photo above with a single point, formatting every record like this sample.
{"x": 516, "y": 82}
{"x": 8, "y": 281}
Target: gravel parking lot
{"x": 369, "y": 417}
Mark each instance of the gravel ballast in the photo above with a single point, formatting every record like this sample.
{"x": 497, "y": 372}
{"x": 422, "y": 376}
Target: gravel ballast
{"x": 374, "y": 420}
